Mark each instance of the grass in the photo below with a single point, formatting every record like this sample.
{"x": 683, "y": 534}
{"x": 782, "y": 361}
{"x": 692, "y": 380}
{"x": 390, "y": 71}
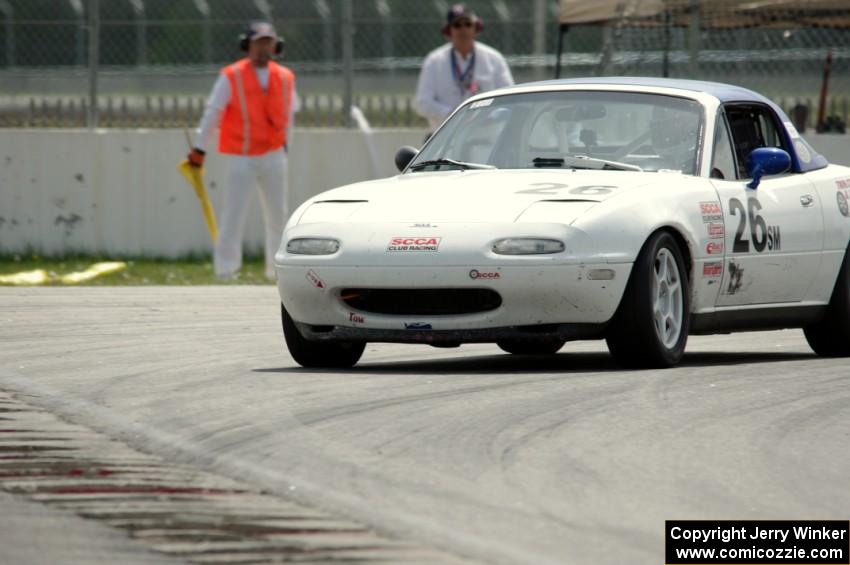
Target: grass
{"x": 139, "y": 271}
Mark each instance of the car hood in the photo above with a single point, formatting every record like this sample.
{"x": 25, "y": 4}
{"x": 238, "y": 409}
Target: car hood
{"x": 468, "y": 196}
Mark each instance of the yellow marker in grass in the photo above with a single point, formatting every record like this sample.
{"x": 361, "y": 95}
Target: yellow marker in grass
{"x": 94, "y": 271}
{"x": 25, "y": 278}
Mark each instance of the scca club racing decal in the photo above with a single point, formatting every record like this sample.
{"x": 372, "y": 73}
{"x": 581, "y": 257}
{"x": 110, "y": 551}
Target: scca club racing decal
{"x": 711, "y": 212}
{"x": 414, "y": 244}
{"x": 763, "y": 236}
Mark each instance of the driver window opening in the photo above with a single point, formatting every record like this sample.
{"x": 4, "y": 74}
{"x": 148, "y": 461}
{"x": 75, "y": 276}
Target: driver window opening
{"x": 752, "y": 127}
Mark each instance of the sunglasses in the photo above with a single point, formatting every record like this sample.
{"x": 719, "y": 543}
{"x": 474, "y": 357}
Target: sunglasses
{"x": 465, "y": 23}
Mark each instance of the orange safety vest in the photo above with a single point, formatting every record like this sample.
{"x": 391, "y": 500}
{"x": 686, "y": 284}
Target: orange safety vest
{"x": 255, "y": 120}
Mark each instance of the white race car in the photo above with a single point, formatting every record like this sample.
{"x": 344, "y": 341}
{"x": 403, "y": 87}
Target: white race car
{"x": 634, "y": 210}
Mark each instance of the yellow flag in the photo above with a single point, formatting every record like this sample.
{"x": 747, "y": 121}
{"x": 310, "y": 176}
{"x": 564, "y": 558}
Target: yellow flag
{"x": 195, "y": 177}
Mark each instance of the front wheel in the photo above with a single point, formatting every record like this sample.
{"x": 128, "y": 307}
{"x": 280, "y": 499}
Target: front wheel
{"x": 650, "y": 328}
{"x": 830, "y": 337}
{"x": 319, "y": 354}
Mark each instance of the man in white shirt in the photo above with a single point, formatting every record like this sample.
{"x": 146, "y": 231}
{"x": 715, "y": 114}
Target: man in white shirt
{"x": 459, "y": 69}
{"x": 253, "y": 103}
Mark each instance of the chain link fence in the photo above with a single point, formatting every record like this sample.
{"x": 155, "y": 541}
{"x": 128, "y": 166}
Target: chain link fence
{"x": 158, "y": 58}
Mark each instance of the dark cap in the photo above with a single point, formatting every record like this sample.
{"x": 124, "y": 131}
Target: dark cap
{"x": 459, "y": 11}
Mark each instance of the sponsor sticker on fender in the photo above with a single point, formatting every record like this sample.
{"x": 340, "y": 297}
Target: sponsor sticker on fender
{"x": 710, "y": 212}
{"x": 712, "y": 269}
{"x": 491, "y": 275}
{"x": 414, "y": 244}
{"x": 315, "y": 280}
{"x": 714, "y": 248}
{"x": 716, "y": 230}
{"x": 842, "y": 197}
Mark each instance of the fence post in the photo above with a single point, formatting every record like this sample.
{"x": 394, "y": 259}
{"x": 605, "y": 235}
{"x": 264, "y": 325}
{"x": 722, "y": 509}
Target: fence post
{"x": 539, "y": 37}
{"x": 694, "y": 39}
{"x": 324, "y": 12}
{"x": 141, "y": 31}
{"x": 9, "y": 15}
{"x": 204, "y": 9}
{"x": 94, "y": 55}
{"x": 347, "y": 60}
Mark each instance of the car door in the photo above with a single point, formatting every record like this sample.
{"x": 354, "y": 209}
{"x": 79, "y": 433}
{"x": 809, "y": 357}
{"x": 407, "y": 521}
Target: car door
{"x": 774, "y": 233}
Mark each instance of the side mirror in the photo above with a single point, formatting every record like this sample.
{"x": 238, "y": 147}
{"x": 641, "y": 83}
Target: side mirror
{"x": 404, "y": 155}
{"x": 767, "y": 161}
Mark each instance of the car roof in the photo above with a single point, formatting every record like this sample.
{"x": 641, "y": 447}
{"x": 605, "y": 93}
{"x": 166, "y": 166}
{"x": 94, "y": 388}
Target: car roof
{"x": 723, "y": 92}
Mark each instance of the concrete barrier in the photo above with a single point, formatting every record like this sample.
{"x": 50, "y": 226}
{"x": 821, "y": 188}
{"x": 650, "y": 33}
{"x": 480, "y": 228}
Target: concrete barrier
{"x": 117, "y": 192}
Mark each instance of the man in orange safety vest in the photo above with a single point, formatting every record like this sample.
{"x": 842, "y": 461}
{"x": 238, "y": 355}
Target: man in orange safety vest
{"x": 253, "y": 102}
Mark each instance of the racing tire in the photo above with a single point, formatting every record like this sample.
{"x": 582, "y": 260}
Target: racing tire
{"x": 531, "y": 347}
{"x": 650, "y": 328}
{"x": 830, "y": 337}
{"x": 319, "y": 354}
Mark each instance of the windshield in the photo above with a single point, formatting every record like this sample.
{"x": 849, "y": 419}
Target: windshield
{"x": 570, "y": 130}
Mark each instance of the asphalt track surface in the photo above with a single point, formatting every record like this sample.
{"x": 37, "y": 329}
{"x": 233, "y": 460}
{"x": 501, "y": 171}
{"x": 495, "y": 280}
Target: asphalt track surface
{"x": 483, "y": 455}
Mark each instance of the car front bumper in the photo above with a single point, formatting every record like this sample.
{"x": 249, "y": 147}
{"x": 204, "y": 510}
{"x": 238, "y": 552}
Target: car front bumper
{"x": 567, "y": 298}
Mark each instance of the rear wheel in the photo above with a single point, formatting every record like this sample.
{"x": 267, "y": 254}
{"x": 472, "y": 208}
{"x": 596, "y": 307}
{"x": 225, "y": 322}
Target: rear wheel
{"x": 830, "y": 337}
{"x": 531, "y": 347}
{"x": 331, "y": 354}
{"x": 650, "y": 328}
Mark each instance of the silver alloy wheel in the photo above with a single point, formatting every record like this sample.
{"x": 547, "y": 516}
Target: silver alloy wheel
{"x": 667, "y": 298}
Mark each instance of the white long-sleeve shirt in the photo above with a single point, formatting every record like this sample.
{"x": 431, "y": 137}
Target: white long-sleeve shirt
{"x": 220, "y": 98}
{"x": 438, "y": 92}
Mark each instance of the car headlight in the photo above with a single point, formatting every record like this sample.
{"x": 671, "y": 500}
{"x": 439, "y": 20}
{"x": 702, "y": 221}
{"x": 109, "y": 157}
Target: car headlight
{"x": 527, "y": 246}
{"x": 312, "y": 246}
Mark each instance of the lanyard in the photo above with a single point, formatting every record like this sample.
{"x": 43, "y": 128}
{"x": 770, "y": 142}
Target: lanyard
{"x": 464, "y": 79}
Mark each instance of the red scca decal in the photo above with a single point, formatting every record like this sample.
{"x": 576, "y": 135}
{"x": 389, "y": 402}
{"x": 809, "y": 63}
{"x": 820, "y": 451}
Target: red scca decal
{"x": 842, "y": 183}
{"x": 714, "y": 248}
{"x": 713, "y": 269}
{"x": 710, "y": 212}
{"x": 414, "y": 244}
{"x": 315, "y": 280}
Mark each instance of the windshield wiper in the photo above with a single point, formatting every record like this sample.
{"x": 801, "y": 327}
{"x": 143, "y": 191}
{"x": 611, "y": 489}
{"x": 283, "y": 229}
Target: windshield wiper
{"x": 547, "y": 162}
{"x": 584, "y": 162}
{"x": 460, "y": 164}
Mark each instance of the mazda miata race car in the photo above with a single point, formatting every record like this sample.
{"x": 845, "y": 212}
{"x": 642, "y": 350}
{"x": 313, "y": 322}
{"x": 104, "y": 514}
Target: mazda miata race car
{"x": 633, "y": 210}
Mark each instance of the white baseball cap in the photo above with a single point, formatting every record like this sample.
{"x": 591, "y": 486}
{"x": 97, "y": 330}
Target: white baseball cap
{"x": 260, "y": 30}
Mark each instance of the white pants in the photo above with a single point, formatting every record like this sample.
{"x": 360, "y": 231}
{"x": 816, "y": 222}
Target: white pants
{"x": 243, "y": 175}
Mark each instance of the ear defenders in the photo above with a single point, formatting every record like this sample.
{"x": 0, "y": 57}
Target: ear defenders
{"x": 245, "y": 40}
{"x": 479, "y": 27}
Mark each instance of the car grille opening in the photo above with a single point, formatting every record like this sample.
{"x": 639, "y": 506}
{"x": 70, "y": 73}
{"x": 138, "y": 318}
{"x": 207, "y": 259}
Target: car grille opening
{"x": 421, "y": 301}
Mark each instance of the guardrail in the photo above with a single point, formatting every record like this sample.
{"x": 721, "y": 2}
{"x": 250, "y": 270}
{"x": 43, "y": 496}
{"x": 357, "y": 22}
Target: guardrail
{"x": 317, "y": 110}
